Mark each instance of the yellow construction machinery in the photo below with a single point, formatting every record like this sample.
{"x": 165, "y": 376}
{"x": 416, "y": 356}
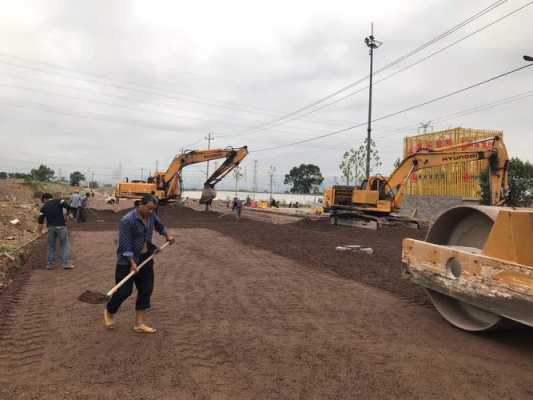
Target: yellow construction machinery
{"x": 167, "y": 185}
{"x": 378, "y": 199}
{"x": 477, "y": 266}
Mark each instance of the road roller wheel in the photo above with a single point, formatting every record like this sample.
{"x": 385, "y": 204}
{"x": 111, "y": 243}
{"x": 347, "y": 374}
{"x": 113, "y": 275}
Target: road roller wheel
{"x": 465, "y": 227}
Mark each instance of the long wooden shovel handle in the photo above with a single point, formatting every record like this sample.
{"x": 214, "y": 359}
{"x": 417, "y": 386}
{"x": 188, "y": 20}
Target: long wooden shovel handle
{"x": 127, "y": 277}
{"x": 28, "y": 242}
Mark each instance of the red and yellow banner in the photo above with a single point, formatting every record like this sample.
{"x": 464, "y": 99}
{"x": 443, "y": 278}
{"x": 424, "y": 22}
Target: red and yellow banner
{"x": 459, "y": 180}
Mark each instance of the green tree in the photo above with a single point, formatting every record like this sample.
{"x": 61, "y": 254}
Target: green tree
{"x": 303, "y": 178}
{"x": 353, "y": 164}
{"x": 237, "y": 174}
{"x": 397, "y": 163}
{"x": 3, "y": 175}
{"x": 19, "y": 175}
{"x": 520, "y": 184}
{"x": 43, "y": 173}
{"x": 76, "y": 177}
{"x": 350, "y": 165}
{"x": 375, "y": 160}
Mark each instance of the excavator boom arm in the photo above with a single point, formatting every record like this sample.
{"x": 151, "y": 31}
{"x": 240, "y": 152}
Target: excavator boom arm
{"x": 232, "y": 161}
{"x": 233, "y": 157}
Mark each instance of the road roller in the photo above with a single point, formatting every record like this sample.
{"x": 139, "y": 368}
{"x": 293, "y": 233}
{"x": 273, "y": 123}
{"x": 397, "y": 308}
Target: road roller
{"x": 476, "y": 265}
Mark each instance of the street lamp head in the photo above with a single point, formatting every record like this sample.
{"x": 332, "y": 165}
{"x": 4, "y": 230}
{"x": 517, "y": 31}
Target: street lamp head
{"x": 528, "y": 58}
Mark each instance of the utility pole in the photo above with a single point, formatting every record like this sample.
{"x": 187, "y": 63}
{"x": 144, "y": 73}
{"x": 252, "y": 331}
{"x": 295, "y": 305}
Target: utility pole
{"x": 156, "y": 166}
{"x": 142, "y": 173}
{"x": 372, "y": 44}
{"x": 92, "y": 180}
{"x": 237, "y": 174}
{"x": 271, "y": 175}
{"x": 255, "y": 177}
{"x": 424, "y": 126}
{"x": 209, "y": 137}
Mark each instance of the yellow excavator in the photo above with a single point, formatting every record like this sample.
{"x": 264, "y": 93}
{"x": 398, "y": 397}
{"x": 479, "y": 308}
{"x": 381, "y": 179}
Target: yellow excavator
{"x": 167, "y": 185}
{"x": 378, "y": 199}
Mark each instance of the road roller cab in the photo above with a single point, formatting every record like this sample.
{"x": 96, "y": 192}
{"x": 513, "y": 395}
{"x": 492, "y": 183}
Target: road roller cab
{"x": 477, "y": 266}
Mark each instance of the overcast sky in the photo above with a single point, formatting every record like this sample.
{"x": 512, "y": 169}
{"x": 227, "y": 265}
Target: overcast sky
{"x": 98, "y": 84}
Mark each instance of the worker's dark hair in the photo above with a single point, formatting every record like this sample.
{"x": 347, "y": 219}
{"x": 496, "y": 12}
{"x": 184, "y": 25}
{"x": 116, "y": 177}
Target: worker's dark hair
{"x": 148, "y": 198}
{"x": 46, "y": 196}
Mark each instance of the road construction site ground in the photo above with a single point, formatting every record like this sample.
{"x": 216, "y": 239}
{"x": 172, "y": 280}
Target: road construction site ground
{"x": 248, "y": 310}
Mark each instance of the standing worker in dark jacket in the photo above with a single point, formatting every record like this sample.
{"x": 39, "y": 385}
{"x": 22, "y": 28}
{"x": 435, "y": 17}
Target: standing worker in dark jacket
{"x": 52, "y": 211}
{"x": 84, "y": 207}
{"x": 134, "y": 246}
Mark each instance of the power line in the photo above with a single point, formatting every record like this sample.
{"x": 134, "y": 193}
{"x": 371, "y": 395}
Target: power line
{"x": 398, "y": 60}
{"x": 405, "y": 68}
{"x": 128, "y": 108}
{"x": 93, "y": 116}
{"x": 409, "y": 66}
{"x": 465, "y": 112}
{"x": 94, "y": 79}
{"x": 393, "y": 114}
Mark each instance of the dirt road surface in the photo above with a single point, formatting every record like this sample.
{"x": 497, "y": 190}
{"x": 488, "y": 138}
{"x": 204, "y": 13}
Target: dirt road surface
{"x": 248, "y": 310}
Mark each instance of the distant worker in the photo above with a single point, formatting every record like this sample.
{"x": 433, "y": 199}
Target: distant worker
{"x": 52, "y": 211}
{"x": 237, "y": 207}
{"x": 134, "y": 246}
{"x": 84, "y": 208}
{"x": 75, "y": 201}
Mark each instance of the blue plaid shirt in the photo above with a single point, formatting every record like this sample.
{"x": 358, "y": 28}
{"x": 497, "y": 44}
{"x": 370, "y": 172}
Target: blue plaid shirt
{"x": 133, "y": 235}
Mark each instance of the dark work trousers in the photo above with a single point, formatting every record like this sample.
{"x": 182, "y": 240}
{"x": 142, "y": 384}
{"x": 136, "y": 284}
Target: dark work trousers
{"x": 144, "y": 282}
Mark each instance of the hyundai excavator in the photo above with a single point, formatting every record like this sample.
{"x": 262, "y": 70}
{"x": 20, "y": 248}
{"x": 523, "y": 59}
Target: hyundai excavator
{"x": 378, "y": 199}
{"x": 167, "y": 185}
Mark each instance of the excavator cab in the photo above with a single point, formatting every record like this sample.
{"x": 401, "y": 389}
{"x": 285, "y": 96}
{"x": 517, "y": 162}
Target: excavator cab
{"x": 371, "y": 191}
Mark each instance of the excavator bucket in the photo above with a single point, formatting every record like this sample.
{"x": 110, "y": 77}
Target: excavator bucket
{"x": 208, "y": 194}
{"x": 477, "y": 266}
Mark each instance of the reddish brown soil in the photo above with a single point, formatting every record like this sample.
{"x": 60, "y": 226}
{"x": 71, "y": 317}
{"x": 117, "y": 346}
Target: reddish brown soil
{"x": 248, "y": 310}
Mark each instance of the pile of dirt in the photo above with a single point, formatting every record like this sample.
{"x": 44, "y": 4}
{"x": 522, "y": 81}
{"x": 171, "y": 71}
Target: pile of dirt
{"x": 18, "y": 221}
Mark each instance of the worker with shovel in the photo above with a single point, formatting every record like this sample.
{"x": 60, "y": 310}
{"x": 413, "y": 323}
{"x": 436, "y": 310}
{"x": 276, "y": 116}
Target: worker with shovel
{"x": 52, "y": 212}
{"x": 134, "y": 246}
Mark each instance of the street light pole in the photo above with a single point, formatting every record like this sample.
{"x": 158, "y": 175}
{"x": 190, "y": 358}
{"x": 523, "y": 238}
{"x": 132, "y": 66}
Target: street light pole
{"x": 372, "y": 44}
{"x": 271, "y": 175}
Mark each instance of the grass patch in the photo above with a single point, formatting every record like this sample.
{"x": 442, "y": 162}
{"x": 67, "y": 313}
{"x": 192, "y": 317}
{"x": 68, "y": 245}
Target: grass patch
{"x": 7, "y": 247}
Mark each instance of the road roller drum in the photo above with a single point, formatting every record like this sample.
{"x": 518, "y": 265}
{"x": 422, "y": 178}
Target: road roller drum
{"x": 477, "y": 266}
